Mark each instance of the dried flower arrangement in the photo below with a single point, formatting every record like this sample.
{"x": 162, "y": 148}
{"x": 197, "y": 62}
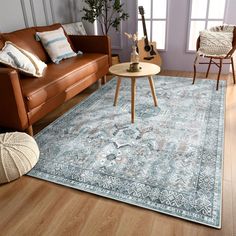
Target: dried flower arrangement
{"x": 132, "y": 37}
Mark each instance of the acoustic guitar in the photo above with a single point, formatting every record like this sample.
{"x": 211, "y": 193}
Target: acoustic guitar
{"x": 147, "y": 50}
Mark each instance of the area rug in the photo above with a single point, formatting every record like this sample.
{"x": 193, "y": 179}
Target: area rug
{"x": 169, "y": 160}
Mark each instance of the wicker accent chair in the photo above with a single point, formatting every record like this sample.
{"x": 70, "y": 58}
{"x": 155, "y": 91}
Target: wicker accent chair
{"x": 220, "y": 59}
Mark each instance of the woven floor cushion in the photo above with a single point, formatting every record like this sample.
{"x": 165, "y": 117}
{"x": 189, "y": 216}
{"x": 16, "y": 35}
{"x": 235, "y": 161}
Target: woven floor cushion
{"x": 18, "y": 155}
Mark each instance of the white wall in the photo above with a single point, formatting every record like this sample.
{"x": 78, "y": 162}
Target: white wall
{"x": 120, "y": 42}
{"x": 176, "y": 57}
{"x": 231, "y": 13}
{"x": 17, "y": 14}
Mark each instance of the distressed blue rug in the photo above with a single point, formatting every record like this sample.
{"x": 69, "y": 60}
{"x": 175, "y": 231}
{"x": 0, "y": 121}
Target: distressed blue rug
{"x": 169, "y": 161}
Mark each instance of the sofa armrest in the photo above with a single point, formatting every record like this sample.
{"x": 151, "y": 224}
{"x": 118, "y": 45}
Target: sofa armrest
{"x": 92, "y": 44}
{"x": 13, "y": 113}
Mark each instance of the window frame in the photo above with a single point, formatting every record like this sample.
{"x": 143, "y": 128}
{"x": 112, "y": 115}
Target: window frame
{"x": 151, "y": 19}
{"x": 205, "y": 20}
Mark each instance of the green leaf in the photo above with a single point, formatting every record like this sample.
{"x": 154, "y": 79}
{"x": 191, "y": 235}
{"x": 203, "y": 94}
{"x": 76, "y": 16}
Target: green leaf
{"x": 109, "y": 13}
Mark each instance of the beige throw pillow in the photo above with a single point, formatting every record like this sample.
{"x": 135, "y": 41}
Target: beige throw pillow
{"x": 20, "y": 59}
{"x": 76, "y": 28}
{"x": 56, "y": 44}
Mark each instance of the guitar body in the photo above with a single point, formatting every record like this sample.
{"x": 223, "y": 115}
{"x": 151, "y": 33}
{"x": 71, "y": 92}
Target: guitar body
{"x": 148, "y": 54}
{"x": 147, "y": 50}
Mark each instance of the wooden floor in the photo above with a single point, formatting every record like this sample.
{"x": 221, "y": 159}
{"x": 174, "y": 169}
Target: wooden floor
{"x": 30, "y": 206}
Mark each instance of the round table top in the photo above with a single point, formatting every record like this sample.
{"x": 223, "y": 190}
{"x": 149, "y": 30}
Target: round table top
{"x": 148, "y": 69}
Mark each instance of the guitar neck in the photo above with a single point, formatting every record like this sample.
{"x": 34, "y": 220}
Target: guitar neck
{"x": 145, "y": 31}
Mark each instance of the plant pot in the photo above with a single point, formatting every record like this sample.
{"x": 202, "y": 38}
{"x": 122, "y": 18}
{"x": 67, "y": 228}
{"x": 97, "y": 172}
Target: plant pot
{"x": 115, "y": 59}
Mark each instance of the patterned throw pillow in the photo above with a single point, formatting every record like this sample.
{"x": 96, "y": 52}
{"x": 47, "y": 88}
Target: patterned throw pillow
{"x": 76, "y": 28}
{"x": 56, "y": 44}
{"x": 215, "y": 43}
{"x": 20, "y": 59}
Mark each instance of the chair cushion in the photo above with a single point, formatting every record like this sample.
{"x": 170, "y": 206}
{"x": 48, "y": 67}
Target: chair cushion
{"x": 215, "y": 44}
{"x": 58, "y": 77}
{"x": 224, "y": 28}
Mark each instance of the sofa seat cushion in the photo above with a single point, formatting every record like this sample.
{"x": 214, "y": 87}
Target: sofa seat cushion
{"x": 57, "y": 78}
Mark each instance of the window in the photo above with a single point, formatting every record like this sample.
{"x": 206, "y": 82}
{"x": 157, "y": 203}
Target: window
{"x": 155, "y": 18}
{"x": 204, "y": 15}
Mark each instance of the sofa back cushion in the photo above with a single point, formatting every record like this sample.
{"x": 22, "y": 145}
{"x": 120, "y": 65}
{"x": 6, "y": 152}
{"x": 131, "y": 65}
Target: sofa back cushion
{"x": 25, "y": 39}
{"x": 1, "y": 41}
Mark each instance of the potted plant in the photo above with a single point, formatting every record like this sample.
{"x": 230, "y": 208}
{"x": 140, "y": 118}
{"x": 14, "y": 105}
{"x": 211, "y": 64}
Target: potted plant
{"x": 108, "y": 13}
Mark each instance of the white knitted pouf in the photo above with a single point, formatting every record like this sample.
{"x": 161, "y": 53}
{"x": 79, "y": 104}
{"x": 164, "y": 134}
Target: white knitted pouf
{"x": 18, "y": 154}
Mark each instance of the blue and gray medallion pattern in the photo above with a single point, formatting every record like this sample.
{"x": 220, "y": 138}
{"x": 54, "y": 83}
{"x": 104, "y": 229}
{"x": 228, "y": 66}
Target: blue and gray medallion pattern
{"x": 169, "y": 160}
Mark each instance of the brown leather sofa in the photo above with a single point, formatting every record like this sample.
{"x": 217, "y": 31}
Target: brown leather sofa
{"x": 25, "y": 100}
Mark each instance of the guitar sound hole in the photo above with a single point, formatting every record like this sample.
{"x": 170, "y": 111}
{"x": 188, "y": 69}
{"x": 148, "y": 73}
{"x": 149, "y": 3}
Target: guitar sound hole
{"x": 147, "y": 48}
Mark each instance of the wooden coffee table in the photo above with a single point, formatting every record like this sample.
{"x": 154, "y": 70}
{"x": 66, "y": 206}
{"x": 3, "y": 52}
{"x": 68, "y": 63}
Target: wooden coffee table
{"x": 148, "y": 70}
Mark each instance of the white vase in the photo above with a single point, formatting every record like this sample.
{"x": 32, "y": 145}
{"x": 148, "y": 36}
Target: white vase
{"x": 134, "y": 56}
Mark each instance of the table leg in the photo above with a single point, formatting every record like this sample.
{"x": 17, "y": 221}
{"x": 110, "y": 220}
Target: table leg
{"x": 133, "y": 91}
{"x": 117, "y": 90}
{"x": 153, "y": 90}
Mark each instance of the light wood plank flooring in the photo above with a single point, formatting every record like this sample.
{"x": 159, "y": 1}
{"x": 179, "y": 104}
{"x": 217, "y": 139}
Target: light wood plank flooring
{"x": 30, "y": 206}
